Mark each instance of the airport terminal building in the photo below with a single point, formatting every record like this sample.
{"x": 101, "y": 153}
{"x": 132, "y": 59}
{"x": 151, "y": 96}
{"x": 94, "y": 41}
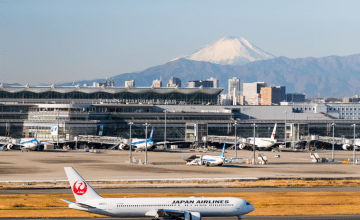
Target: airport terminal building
{"x": 189, "y": 114}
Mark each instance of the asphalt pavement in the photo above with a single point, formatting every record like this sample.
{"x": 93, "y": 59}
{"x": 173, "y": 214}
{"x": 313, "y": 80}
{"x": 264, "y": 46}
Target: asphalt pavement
{"x": 307, "y": 217}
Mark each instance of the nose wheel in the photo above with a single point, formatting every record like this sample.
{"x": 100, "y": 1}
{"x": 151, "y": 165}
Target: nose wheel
{"x": 240, "y": 217}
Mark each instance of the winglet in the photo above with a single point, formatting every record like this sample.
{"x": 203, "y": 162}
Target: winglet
{"x": 223, "y": 151}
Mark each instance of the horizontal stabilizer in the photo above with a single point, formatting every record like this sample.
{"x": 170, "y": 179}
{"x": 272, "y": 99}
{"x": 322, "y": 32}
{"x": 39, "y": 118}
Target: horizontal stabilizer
{"x": 68, "y": 201}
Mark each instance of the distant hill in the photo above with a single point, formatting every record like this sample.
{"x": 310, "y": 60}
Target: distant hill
{"x": 11, "y": 84}
{"x": 332, "y": 76}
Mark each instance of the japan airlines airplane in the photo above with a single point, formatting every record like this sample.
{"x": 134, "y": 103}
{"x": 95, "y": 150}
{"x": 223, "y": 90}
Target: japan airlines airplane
{"x": 140, "y": 144}
{"x": 208, "y": 160}
{"x": 262, "y": 143}
{"x": 190, "y": 208}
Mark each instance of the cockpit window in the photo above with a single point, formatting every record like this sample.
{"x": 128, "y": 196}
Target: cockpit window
{"x": 247, "y": 203}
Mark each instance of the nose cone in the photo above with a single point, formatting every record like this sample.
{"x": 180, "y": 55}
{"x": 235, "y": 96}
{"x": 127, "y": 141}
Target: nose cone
{"x": 245, "y": 207}
{"x": 251, "y": 208}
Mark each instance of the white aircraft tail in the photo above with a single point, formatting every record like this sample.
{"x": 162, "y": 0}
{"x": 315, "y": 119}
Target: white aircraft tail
{"x": 273, "y": 133}
{"x": 151, "y": 135}
{"x": 223, "y": 151}
{"x": 81, "y": 189}
{"x": 37, "y": 128}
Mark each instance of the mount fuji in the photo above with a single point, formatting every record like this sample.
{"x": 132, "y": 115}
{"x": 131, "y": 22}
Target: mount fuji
{"x": 229, "y": 51}
{"x": 332, "y": 76}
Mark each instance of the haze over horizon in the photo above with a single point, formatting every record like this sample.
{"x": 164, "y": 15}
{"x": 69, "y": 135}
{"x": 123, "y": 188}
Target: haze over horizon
{"x": 61, "y": 41}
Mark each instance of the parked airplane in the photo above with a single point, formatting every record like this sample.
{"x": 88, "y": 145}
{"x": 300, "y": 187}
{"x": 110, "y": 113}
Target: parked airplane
{"x": 26, "y": 145}
{"x": 140, "y": 144}
{"x": 208, "y": 160}
{"x": 188, "y": 208}
{"x": 262, "y": 143}
{"x": 349, "y": 146}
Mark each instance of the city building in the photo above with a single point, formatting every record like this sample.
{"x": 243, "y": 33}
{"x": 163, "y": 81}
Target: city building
{"x": 173, "y": 82}
{"x": 109, "y": 83}
{"x": 251, "y": 91}
{"x": 130, "y": 83}
{"x": 198, "y": 83}
{"x": 234, "y": 83}
{"x": 295, "y": 97}
{"x": 272, "y": 95}
{"x": 157, "y": 83}
{"x": 215, "y": 82}
{"x": 353, "y": 99}
{"x": 240, "y": 100}
{"x": 225, "y": 99}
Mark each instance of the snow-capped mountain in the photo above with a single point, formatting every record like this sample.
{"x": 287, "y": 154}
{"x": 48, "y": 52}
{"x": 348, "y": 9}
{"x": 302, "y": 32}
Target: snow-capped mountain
{"x": 229, "y": 51}
{"x": 332, "y": 76}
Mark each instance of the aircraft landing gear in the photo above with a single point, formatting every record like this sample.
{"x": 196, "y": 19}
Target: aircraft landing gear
{"x": 240, "y": 217}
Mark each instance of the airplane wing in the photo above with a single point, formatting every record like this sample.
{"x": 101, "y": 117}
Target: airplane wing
{"x": 82, "y": 205}
{"x": 165, "y": 213}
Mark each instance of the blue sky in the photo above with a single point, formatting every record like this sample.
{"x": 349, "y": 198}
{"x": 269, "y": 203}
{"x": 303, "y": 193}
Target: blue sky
{"x": 61, "y": 41}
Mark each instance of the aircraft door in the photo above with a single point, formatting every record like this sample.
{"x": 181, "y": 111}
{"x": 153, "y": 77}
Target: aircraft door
{"x": 110, "y": 206}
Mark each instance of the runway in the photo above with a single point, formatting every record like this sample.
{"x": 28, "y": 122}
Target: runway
{"x": 185, "y": 190}
{"x": 309, "y": 217}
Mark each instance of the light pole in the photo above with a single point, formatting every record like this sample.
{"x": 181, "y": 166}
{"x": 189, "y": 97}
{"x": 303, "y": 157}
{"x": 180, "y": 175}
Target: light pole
{"x": 235, "y": 125}
{"x": 64, "y": 130}
{"x": 165, "y": 129}
{"x": 354, "y": 155}
{"x": 285, "y": 127}
{"x": 146, "y": 126}
{"x": 333, "y": 152}
{"x": 130, "y": 123}
{"x": 58, "y": 130}
{"x": 254, "y": 148}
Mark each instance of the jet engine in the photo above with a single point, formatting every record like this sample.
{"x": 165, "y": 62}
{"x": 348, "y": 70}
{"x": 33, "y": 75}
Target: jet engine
{"x": 122, "y": 146}
{"x": 9, "y": 146}
{"x": 241, "y": 146}
{"x": 346, "y": 147}
{"x": 192, "y": 216}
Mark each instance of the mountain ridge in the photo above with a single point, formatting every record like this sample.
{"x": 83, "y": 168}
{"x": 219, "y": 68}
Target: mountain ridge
{"x": 332, "y": 76}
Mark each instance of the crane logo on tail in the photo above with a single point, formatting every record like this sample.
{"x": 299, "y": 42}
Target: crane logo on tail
{"x": 80, "y": 187}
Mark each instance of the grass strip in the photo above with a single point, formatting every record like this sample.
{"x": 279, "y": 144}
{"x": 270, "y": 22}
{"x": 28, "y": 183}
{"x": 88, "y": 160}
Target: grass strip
{"x": 207, "y": 183}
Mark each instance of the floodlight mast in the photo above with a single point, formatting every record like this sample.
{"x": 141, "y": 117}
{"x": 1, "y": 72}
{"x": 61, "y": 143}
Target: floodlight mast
{"x": 254, "y": 147}
{"x": 333, "y": 142}
{"x": 146, "y": 126}
{"x": 285, "y": 128}
{"x": 165, "y": 129}
{"x": 131, "y": 123}
{"x": 354, "y": 153}
{"x": 235, "y": 124}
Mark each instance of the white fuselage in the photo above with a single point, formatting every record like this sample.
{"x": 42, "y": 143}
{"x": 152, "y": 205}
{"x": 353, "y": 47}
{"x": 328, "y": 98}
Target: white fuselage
{"x": 214, "y": 160}
{"x": 138, "y": 207}
{"x": 29, "y": 145}
{"x": 262, "y": 142}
